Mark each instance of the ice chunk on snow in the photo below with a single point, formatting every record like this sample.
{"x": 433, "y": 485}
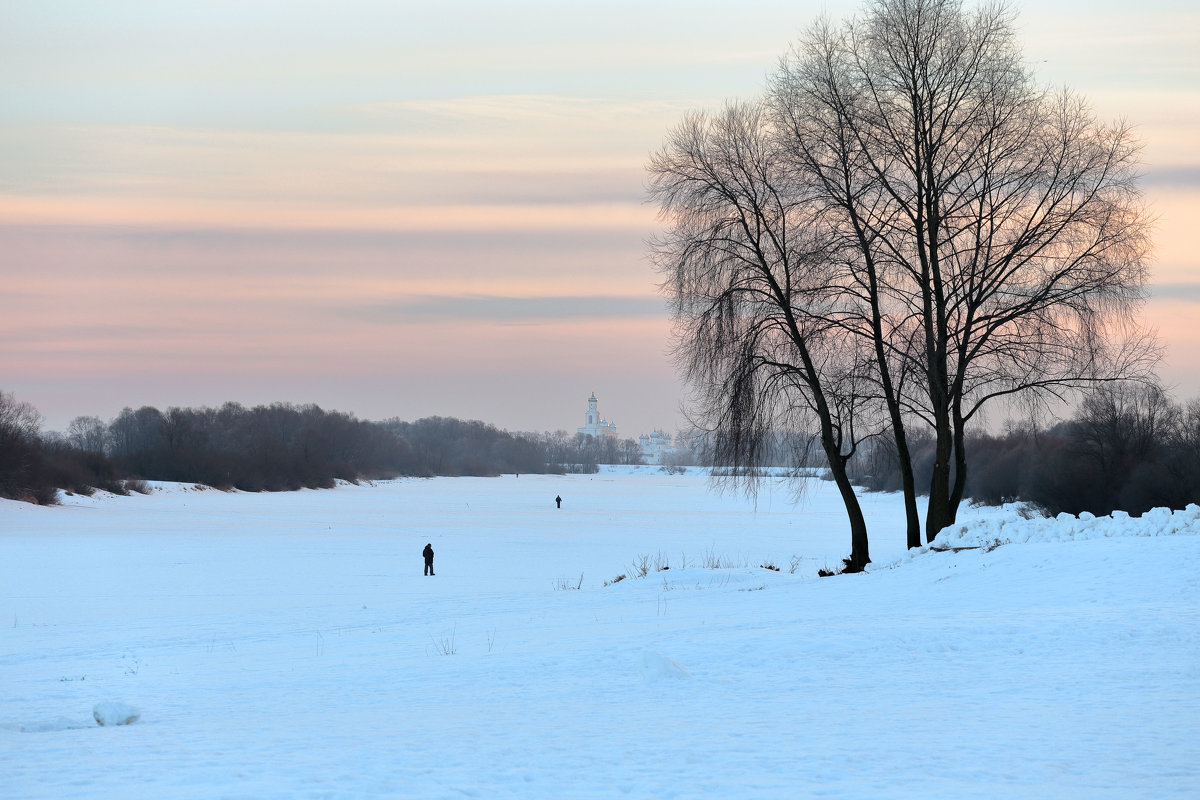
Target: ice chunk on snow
{"x": 115, "y": 714}
{"x": 657, "y": 667}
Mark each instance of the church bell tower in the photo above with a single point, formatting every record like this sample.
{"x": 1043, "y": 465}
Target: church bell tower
{"x": 593, "y": 416}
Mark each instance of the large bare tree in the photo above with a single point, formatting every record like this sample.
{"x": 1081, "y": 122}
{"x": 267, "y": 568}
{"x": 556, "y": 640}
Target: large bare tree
{"x": 994, "y": 230}
{"x": 982, "y": 236}
{"x": 747, "y": 265}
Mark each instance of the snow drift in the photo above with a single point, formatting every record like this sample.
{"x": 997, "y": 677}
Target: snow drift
{"x": 1005, "y": 529}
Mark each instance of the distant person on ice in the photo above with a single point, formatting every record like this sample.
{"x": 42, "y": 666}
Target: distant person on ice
{"x": 558, "y": 500}
{"x": 428, "y": 553}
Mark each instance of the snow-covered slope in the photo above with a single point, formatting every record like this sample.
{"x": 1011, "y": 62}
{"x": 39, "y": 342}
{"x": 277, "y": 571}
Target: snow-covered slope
{"x": 287, "y": 645}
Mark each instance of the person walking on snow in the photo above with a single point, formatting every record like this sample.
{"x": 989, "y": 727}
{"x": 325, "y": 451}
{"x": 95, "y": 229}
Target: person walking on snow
{"x": 558, "y": 500}
{"x": 428, "y": 553}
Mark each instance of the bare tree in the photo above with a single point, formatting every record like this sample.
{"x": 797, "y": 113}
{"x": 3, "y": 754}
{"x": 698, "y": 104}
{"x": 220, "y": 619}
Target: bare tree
{"x": 747, "y": 267}
{"x": 994, "y": 236}
{"x": 1121, "y": 425}
{"x": 20, "y": 447}
{"x": 87, "y": 434}
{"x": 631, "y": 452}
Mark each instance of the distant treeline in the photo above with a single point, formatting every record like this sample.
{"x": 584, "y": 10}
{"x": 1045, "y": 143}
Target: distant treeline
{"x": 1128, "y": 448}
{"x": 269, "y": 448}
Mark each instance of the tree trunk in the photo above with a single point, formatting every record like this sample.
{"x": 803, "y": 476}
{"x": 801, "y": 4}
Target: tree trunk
{"x": 960, "y": 466}
{"x": 831, "y": 443}
{"x": 859, "y": 553}
{"x": 938, "y": 515}
{"x": 908, "y": 482}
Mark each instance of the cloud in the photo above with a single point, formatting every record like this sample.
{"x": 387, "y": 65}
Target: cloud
{"x": 1179, "y": 177}
{"x": 159, "y": 212}
{"x": 95, "y": 336}
{"x": 507, "y": 107}
{"x": 1185, "y": 292}
{"x": 497, "y": 308}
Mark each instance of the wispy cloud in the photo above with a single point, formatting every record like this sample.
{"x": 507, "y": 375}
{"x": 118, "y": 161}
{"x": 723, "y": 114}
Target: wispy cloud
{"x": 152, "y": 212}
{"x": 1186, "y": 292}
{"x": 521, "y": 108}
{"x": 497, "y": 308}
{"x": 1177, "y": 177}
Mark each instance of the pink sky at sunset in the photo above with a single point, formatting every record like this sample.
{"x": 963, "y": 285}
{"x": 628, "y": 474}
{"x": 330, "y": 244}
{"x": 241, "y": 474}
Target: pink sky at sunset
{"x": 397, "y": 209}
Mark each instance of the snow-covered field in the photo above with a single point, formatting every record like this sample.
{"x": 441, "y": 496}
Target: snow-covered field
{"x": 287, "y": 645}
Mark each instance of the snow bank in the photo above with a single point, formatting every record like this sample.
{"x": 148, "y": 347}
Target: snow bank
{"x": 115, "y": 714}
{"x": 648, "y": 469}
{"x": 52, "y": 726}
{"x": 1065, "y": 527}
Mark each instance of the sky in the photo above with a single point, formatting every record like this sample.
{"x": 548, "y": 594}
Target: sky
{"x": 403, "y": 209}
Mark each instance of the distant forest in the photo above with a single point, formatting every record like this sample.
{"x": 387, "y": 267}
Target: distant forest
{"x": 273, "y": 447}
{"x": 1128, "y": 447}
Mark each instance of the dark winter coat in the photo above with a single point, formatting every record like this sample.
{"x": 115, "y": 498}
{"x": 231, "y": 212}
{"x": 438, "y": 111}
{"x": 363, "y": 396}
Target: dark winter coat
{"x": 428, "y": 553}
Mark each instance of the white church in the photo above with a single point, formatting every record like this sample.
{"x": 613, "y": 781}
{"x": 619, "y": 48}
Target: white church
{"x": 655, "y": 446}
{"x": 594, "y": 425}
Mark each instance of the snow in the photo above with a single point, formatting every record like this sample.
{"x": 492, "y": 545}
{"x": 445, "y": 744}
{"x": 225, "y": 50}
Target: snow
{"x": 113, "y": 712}
{"x": 1157, "y": 522}
{"x": 288, "y": 645}
{"x": 656, "y": 667}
